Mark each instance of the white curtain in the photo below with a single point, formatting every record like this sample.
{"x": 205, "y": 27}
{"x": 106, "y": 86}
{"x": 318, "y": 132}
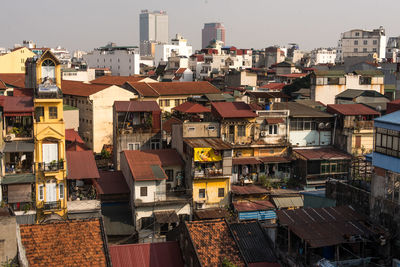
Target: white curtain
{"x": 51, "y": 194}
{"x": 50, "y": 152}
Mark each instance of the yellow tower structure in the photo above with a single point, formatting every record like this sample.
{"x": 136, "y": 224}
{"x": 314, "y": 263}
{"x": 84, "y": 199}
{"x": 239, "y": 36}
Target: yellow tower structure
{"x": 44, "y": 75}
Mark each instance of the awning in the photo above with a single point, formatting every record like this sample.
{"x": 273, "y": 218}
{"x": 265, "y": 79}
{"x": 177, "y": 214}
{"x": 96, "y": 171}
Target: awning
{"x": 275, "y": 160}
{"x": 18, "y": 114}
{"x": 166, "y": 217}
{"x": 288, "y": 202}
{"x": 274, "y": 120}
{"x": 23, "y": 178}
{"x": 245, "y": 161}
{"x": 19, "y": 193}
{"x": 18, "y": 146}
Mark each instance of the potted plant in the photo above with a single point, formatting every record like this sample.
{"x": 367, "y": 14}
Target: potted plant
{"x": 53, "y": 165}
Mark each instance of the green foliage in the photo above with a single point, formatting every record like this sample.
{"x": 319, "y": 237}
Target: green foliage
{"x": 304, "y": 82}
{"x": 227, "y": 263}
{"x": 105, "y": 154}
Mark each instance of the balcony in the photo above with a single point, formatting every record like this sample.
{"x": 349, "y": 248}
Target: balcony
{"x": 359, "y": 125}
{"x": 51, "y": 205}
{"x": 207, "y": 173}
{"x": 51, "y": 166}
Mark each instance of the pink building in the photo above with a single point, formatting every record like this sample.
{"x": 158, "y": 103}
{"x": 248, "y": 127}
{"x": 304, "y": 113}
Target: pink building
{"x": 212, "y": 31}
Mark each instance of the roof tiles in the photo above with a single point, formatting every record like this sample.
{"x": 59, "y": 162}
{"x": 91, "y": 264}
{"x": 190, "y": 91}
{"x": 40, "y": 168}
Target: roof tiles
{"x": 111, "y": 182}
{"x": 81, "y": 165}
{"x": 168, "y": 88}
{"x": 232, "y": 110}
{"x": 117, "y": 80}
{"x": 190, "y": 107}
{"x": 136, "y": 106}
{"x": 81, "y": 88}
{"x": 351, "y": 109}
{"x": 66, "y": 243}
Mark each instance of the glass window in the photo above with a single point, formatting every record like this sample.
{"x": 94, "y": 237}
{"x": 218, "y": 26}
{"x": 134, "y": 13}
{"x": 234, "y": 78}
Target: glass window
{"x": 39, "y": 112}
{"x": 378, "y": 139}
{"x": 52, "y": 112}
{"x": 143, "y": 191}
{"x": 241, "y": 130}
{"x": 273, "y": 129}
{"x": 355, "y": 42}
{"x": 133, "y": 146}
{"x": 355, "y": 50}
{"x": 61, "y": 191}
{"x": 365, "y": 42}
{"x": 375, "y": 42}
{"x": 170, "y": 174}
{"x": 202, "y": 193}
{"x": 221, "y": 192}
{"x": 41, "y": 192}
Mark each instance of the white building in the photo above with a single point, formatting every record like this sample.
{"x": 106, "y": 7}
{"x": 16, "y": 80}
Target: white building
{"x": 121, "y": 60}
{"x": 78, "y": 75}
{"x": 178, "y": 47}
{"x": 323, "y": 56}
{"x": 393, "y": 49}
{"x": 362, "y": 43}
{"x": 63, "y": 55}
{"x": 153, "y": 29}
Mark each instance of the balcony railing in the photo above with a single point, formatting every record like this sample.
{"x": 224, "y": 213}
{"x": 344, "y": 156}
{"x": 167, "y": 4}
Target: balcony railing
{"x": 51, "y": 205}
{"x": 208, "y": 172}
{"x": 51, "y": 166}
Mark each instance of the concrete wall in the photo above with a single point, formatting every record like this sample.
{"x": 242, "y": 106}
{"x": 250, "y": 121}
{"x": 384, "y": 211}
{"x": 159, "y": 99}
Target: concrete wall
{"x": 8, "y": 238}
{"x": 120, "y": 62}
{"x": 71, "y": 119}
{"x": 211, "y": 187}
{"x": 14, "y": 62}
{"x": 79, "y": 75}
{"x": 201, "y": 129}
{"x": 310, "y": 138}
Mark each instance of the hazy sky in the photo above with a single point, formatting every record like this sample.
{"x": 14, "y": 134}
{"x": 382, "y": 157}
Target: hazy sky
{"x": 86, "y": 24}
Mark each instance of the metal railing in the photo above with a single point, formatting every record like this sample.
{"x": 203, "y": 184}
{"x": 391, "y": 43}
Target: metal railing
{"x": 51, "y": 205}
{"x": 51, "y": 166}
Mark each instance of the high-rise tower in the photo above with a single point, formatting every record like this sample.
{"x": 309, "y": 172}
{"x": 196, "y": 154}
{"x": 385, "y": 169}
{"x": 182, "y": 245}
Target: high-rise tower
{"x": 212, "y": 31}
{"x": 153, "y": 29}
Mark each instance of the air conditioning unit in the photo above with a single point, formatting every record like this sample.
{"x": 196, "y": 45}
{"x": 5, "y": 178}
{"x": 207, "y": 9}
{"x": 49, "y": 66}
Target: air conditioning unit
{"x": 263, "y": 133}
{"x": 9, "y": 137}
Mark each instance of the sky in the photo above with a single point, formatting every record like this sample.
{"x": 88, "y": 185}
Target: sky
{"x": 88, "y": 24}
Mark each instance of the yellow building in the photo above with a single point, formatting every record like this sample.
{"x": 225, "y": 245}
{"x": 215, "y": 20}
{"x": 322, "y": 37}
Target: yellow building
{"x": 14, "y": 62}
{"x": 49, "y": 131}
{"x": 211, "y": 191}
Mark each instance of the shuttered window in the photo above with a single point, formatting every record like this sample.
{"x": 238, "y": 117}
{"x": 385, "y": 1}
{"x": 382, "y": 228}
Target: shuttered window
{"x": 50, "y": 152}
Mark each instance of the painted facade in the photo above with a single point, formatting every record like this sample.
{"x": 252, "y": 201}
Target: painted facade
{"x": 14, "y": 62}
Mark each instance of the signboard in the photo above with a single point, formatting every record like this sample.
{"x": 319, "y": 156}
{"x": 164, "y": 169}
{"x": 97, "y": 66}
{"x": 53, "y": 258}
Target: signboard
{"x": 206, "y": 154}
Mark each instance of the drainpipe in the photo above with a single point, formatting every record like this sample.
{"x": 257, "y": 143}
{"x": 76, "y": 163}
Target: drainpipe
{"x": 334, "y": 129}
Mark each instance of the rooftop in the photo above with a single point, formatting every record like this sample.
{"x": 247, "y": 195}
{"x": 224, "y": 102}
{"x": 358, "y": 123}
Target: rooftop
{"x": 215, "y": 143}
{"x": 214, "y": 242}
{"x": 352, "y": 93}
{"x": 253, "y": 205}
{"x": 190, "y": 107}
{"x": 81, "y": 88}
{"x": 322, "y": 154}
{"x": 117, "y": 80}
{"x": 167, "y": 125}
{"x": 232, "y": 110}
{"x": 174, "y": 88}
{"x": 81, "y": 165}
{"x": 73, "y": 136}
{"x": 392, "y": 118}
{"x": 248, "y": 190}
{"x": 111, "y": 182}
{"x": 351, "y": 109}
{"x": 13, "y": 79}
{"x": 162, "y": 254}
{"x": 136, "y": 106}
{"x": 273, "y": 86}
{"x": 65, "y": 243}
{"x": 300, "y": 110}
{"x": 18, "y": 106}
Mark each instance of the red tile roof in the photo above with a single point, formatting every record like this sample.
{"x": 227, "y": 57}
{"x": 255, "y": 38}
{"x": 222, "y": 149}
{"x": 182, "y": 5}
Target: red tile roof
{"x": 293, "y": 75}
{"x": 190, "y": 107}
{"x": 2, "y": 85}
{"x": 142, "y": 163}
{"x": 72, "y": 136}
{"x": 117, "y": 80}
{"x": 171, "y": 88}
{"x": 136, "y": 106}
{"x": 273, "y": 86}
{"x": 245, "y": 161}
{"x": 111, "y": 182}
{"x": 18, "y": 106}
{"x": 65, "y": 243}
{"x": 351, "y": 109}
{"x": 214, "y": 242}
{"x": 274, "y": 120}
{"x": 180, "y": 70}
{"x": 162, "y": 254}
{"x": 81, "y": 88}
{"x": 167, "y": 125}
{"x": 76, "y": 147}
{"x": 253, "y": 205}
{"x": 275, "y": 159}
{"x": 322, "y": 154}
{"x": 248, "y": 189}
{"x": 23, "y": 92}
{"x": 232, "y": 110}
{"x": 255, "y": 106}
{"x": 13, "y": 79}
{"x": 81, "y": 165}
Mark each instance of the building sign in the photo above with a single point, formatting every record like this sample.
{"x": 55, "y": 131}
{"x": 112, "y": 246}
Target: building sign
{"x": 206, "y": 154}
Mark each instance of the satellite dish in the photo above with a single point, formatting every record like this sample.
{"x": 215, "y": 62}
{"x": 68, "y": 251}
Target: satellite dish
{"x": 327, "y": 125}
{"x": 321, "y": 125}
{"x": 379, "y": 108}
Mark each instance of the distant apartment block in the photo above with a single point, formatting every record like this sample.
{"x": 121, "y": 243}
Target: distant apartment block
{"x": 323, "y": 56}
{"x": 212, "y": 31}
{"x": 178, "y": 47}
{"x": 153, "y": 29}
{"x": 362, "y": 43}
{"x": 393, "y": 49}
{"x": 121, "y": 60}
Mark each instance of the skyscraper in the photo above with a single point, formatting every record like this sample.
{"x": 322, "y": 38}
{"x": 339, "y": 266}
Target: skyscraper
{"x": 212, "y": 31}
{"x": 153, "y": 29}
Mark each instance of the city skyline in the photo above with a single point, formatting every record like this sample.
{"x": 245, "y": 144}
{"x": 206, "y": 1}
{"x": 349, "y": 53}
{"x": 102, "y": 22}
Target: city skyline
{"x": 93, "y": 25}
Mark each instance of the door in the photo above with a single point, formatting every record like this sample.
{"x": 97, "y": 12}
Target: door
{"x": 50, "y": 152}
{"x": 51, "y": 194}
{"x": 232, "y": 133}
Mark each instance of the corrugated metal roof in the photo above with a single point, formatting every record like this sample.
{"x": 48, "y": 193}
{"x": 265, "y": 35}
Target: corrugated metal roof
{"x": 215, "y": 143}
{"x": 322, "y": 154}
{"x": 288, "y": 202}
{"x": 168, "y": 216}
{"x": 117, "y": 219}
{"x": 81, "y": 165}
{"x": 19, "y": 146}
{"x": 232, "y": 110}
{"x": 248, "y": 189}
{"x": 164, "y": 254}
{"x": 246, "y": 161}
{"x": 330, "y": 73}
{"x": 136, "y": 106}
{"x": 351, "y": 109}
{"x": 322, "y": 227}
{"x": 111, "y": 182}
{"x": 369, "y": 72}
{"x": 21, "y": 178}
{"x": 18, "y": 104}
{"x": 190, "y": 107}
{"x": 253, "y": 205}
{"x": 214, "y": 213}
{"x": 300, "y": 110}
{"x": 253, "y": 242}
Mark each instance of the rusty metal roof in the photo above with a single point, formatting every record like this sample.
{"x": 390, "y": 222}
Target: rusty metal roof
{"x": 215, "y": 143}
{"x": 248, "y": 189}
{"x": 246, "y": 161}
{"x": 253, "y": 205}
{"x": 81, "y": 165}
{"x": 322, "y": 227}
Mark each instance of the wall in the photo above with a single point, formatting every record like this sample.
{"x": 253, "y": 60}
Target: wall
{"x": 8, "y": 238}
{"x": 14, "y": 62}
{"x": 211, "y": 197}
{"x": 151, "y": 191}
{"x": 79, "y": 75}
{"x": 103, "y": 102}
{"x": 120, "y": 62}
{"x": 200, "y": 129}
{"x": 71, "y": 119}
{"x": 310, "y": 138}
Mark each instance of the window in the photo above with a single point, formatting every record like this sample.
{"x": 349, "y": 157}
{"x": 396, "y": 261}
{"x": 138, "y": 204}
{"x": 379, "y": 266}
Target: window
{"x": 221, "y": 192}
{"x": 387, "y": 142}
{"x": 273, "y": 129}
{"x": 61, "y": 190}
{"x": 211, "y": 128}
{"x": 39, "y": 112}
{"x": 333, "y": 80}
{"x": 365, "y": 80}
{"x": 155, "y": 144}
{"x": 375, "y": 42}
{"x": 374, "y": 50}
{"x": 170, "y": 174}
{"x": 41, "y": 192}
{"x": 133, "y": 146}
{"x": 357, "y": 33}
{"x": 50, "y": 152}
{"x": 52, "y": 112}
{"x": 355, "y": 42}
{"x": 241, "y": 130}
{"x": 191, "y": 129}
{"x": 48, "y": 69}
{"x": 355, "y": 50}
{"x": 364, "y": 50}
{"x": 365, "y": 42}
{"x": 166, "y": 103}
{"x": 143, "y": 191}
{"x": 202, "y": 193}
